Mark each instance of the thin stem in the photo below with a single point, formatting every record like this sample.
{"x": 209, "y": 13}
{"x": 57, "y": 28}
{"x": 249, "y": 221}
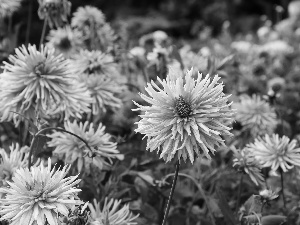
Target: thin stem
{"x": 44, "y": 30}
{"x": 282, "y": 188}
{"x": 29, "y": 19}
{"x": 51, "y": 128}
{"x": 239, "y": 192}
{"x": 171, "y": 193}
{"x": 198, "y": 185}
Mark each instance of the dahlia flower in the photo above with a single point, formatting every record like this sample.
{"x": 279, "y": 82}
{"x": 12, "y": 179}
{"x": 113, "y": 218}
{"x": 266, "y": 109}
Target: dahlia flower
{"x": 95, "y": 62}
{"x": 276, "y": 152}
{"x": 55, "y": 11}
{"x": 9, "y": 163}
{"x": 277, "y": 48}
{"x": 110, "y": 214}
{"x": 40, "y": 82}
{"x": 268, "y": 195}
{"x": 247, "y": 163}
{"x": 255, "y": 115}
{"x": 73, "y": 150}
{"x": 185, "y": 117}
{"x": 8, "y": 7}
{"x": 38, "y": 195}
{"x": 65, "y": 41}
{"x": 97, "y": 32}
{"x": 104, "y": 91}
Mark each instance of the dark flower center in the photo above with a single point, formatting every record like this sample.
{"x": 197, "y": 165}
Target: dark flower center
{"x": 65, "y": 44}
{"x": 39, "y": 69}
{"x": 182, "y": 107}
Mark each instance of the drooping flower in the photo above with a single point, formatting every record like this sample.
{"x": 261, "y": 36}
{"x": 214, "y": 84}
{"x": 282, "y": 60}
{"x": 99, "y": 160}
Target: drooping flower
{"x": 91, "y": 22}
{"x": 54, "y": 11}
{"x": 73, "y": 150}
{"x": 111, "y": 213}
{"x": 65, "y": 41}
{"x": 185, "y": 117}
{"x": 247, "y": 163}
{"x": 8, "y": 7}
{"x": 268, "y": 195}
{"x": 255, "y": 115}
{"x": 104, "y": 91}
{"x": 38, "y": 82}
{"x": 9, "y": 163}
{"x": 276, "y": 152}
{"x": 39, "y": 195}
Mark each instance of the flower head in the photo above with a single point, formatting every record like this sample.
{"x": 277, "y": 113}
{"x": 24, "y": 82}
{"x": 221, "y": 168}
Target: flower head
{"x": 65, "y": 41}
{"x": 98, "y": 34}
{"x": 185, "y": 117}
{"x": 247, "y": 163}
{"x": 8, "y": 7}
{"x": 95, "y": 62}
{"x": 111, "y": 214}
{"x": 255, "y": 115}
{"x": 9, "y": 163}
{"x": 39, "y": 195}
{"x": 54, "y": 11}
{"x": 104, "y": 91}
{"x": 78, "y": 216}
{"x": 268, "y": 195}
{"x": 73, "y": 150}
{"x": 40, "y": 82}
{"x": 276, "y": 152}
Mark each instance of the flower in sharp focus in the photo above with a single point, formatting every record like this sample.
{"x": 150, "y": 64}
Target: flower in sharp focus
{"x": 104, "y": 91}
{"x": 39, "y": 195}
{"x": 111, "y": 213}
{"x": 247, "y": 163}
{"x": 8, "y": 7}
{"x": 40, "y": 82}
{"x": 54, "y": 11}
{"x": 9, "y": 163}
{"x": 255, "y": 115}
{"x": 65, "y": 41}
{"x": 186, "y": 117}
{"x": 73, "y": 150}
{"x": 268, "y": 195}
{"x": 276, "y": 152}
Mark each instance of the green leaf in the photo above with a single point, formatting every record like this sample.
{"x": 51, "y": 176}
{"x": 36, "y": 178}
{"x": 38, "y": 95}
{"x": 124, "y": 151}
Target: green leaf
{"x": 38, "y": 144}
{"x": 273, "y": 220}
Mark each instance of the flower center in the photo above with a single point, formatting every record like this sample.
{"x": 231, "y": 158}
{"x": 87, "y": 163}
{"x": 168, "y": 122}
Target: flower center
{"x": 182, "y": 107}
{"x": 65, "y": 44}
{"x": 39, "y": 69}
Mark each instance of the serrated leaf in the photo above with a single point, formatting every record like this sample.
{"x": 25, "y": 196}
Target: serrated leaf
{"x": 273, "y": 220}
{"x": 225, "y": 208}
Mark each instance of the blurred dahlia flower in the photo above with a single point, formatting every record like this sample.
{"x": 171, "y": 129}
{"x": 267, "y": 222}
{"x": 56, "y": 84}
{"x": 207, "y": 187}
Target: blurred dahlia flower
{"x": 54, "y": 11}
{"x": 38, "y": 195}
{"x": 268, "y": 195}
{"x": 8, "y": 7}
{"x": 275, "y": 152}
{"x": 255, "y": 115}
{"x": 104, "y": 91}
{"x": 97, "y": 32}
{"x": 65, "y": 41}
{"x": 247, "y": 163}
{"x": 40, "y": 82}
{"x": 111, "y": 213}
{"x": 73, "y": 150}
{"x": 9, "y": 163}
{"x": 95, "y": 62}
{"x": 277, "y": 48}
{"x": 185, "y": 117}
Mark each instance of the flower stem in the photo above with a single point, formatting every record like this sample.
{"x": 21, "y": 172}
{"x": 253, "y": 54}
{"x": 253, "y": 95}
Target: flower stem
{"x": 171, "y": 193}
{"x": 282, "y": 188}
{"x": 44, "y": 30}
{"x": 29, "y": 19}
{"x": 239, "y": 193}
